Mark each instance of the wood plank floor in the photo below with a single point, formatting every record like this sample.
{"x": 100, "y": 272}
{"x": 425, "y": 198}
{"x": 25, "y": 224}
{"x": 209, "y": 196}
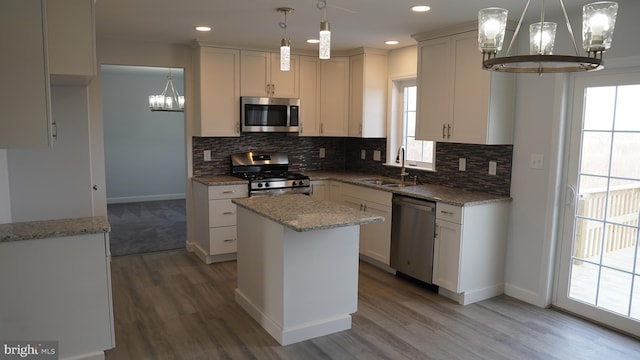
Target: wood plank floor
{"x": 170, "y": 305}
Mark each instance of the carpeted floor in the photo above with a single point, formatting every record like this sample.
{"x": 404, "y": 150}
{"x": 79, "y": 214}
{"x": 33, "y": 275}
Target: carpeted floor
{"x": 149, "y": 226}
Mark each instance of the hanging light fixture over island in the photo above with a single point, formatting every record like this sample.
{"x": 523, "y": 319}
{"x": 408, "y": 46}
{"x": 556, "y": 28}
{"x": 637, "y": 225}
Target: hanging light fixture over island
{"x": 169, "y": 100}
{"x": 598, "y": 22}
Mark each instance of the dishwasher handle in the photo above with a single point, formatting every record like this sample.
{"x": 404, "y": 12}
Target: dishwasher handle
{"x": 422, "y": 205}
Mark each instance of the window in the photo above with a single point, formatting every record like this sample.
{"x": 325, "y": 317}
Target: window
{"x": 419, "y": 154}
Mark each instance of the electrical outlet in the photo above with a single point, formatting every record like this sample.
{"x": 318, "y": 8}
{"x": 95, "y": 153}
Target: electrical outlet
{"x": 462, "y": 164}
{"x": 376, "y": 155}
{"x": 492, "y": 167}
{"x": 537, "y": 161}
{"x": 321, "y": 153}
{"x": 363, "y": 154}
{"x": 207, "y": 155}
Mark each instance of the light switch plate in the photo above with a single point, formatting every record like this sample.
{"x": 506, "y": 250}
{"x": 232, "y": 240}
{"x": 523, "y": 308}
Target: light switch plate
{"x": 207, "y": 155}
{"x": 363, "y": 154}
{"x": 321, "y": 153}
{"x": 376, "y": 155}
{"x": 537, "y": 161}
{"x": 492, "y": 167}
{"x": 462, "y": 164}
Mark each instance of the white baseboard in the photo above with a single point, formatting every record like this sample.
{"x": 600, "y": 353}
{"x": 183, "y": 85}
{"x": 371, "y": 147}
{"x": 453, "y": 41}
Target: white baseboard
{"x": 377, "y": 264}
{"x": 470, "y": 297}
{"x": 209, "y": 259}
{"x": 141, "y": 198}
{"x": 523, "y": 295}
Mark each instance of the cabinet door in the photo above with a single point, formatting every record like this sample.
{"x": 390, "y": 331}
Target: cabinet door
{"x": 217, "y": 92}
{"x": 309, "y": 96}
{"x": 320, "y": 190}
{"x": 368, "y": 110}
{"x": 334, "y": 97}
{"x": 356, "y": 71}
{"x": 23, "y": 69}
{"x": 434, "y": 89}
{"x": 446, "y": 257}
{"x": 256, "y": 68}
{"x": 375, "y": 239}
{"x": 336, "y": 192}
{"x": 285, "y": 84}
{"x": 71, "y": 35}
{"x": 470, "y": 91}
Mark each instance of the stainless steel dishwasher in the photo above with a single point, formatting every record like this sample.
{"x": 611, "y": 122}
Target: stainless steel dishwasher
{"x": 413, "y": 224}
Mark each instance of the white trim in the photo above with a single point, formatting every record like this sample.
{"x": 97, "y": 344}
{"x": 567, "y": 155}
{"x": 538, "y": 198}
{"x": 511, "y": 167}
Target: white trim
{"x": 209, "y": 259}
{"x": 524, "y": 295}
{"x": 141, "y": 198}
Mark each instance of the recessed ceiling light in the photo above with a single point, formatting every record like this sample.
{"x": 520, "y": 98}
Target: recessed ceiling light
{"x": 202, "y": 28}
{"x": 420, "y": 8}
{"x": 392, "y": 42}
{"x": 313, "y": 41}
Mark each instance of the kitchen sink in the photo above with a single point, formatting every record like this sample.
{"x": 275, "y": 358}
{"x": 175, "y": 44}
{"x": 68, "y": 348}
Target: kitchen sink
{"x": 380, "y": 182}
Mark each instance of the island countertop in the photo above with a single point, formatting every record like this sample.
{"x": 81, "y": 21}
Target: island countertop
{"x": 303, "y": 213}
{"x": 53, "y": 228}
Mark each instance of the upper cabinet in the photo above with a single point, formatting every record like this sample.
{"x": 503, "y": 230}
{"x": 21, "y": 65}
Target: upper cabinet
{"x": 368, "y": 95}
{"x": 458, "y": 101}
{"x": 261, "y": 75}
{"x": 334, "y": 97}
{"x": 71, "y": 37}
{"x": 309, "y": 96}
{"x": 216, "y": 95}
{"x": 24, "y": 94}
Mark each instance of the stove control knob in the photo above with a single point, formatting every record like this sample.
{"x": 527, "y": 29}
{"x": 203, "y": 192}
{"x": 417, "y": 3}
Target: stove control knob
{"x": 293, "y": 183}
{"x": 259, "y": 185}
{"x": 266, "y": 184}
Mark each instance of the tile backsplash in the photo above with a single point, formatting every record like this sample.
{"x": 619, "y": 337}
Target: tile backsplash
{"x": 344, "y": 154}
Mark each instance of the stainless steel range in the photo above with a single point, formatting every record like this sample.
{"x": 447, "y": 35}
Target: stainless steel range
{"x": 268, "y": 174}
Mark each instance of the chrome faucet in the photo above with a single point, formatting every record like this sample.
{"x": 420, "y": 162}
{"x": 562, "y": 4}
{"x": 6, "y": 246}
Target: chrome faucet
{"x": 401, "y": 157}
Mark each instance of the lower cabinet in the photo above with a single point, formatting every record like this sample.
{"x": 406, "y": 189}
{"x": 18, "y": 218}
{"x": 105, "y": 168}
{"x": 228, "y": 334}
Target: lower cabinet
{"x": 469, "y": 251}
{"x": 375, "y": 239}
{"x": 320, "y": 189}
{"x": 215, "y": 221}
{"x": 58, "y": 289}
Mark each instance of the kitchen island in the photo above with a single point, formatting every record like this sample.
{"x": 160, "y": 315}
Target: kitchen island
{"x": 298, "y": 264}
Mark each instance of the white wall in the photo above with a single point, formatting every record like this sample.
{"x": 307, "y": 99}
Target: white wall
{"x": 144, "y": 150}
{"x": 537, "y": 194}
{"x": 403, "y": 62}
{"x": 5, "y": 198}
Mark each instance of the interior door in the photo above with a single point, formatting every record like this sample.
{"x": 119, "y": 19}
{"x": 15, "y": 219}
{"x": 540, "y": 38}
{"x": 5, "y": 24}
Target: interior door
{"x": 599, "y": 272}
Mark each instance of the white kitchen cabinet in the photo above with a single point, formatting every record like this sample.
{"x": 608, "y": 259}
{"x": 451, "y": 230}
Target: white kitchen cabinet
{"x": 469, "y": 251}
{"x": 58, "y": 289}
{"x": 368, "y": 96}
{"x": 320, "y": 189}
{"x": 216, "y": 93}
{"x": 334, "y": 97}
{"x": 375, "y": 239}
{"x": 261, "y": 75}
{"x": 458, "y": 101}
{"x": 215, "y": 221}
{"x": 309, "y": 96}
{"x": 26, "y": 119}
{"x": 71, "y": 38}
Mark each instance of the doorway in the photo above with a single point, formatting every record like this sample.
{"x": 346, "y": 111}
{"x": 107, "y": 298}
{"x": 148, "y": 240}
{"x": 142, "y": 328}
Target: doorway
{"x": 599, "y": 274}
{"x": 145, "y": 161}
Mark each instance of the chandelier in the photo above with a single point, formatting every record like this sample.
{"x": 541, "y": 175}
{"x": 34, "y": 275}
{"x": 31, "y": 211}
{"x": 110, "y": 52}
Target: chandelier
{"x": 324, "y": 48}
{"x": 169, "y": 100}
{"x": 598, "y": 22}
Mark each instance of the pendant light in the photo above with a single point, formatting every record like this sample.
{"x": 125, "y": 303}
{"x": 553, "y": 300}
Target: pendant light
{"x": 169, "y": 100}
{"x": 324, "y": 48}
{"x": 285, "y": 43}
{"x": 598, "y": 22}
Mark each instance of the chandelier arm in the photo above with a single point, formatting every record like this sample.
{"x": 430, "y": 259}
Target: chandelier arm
{"x": 166, "y": 86}
{"x": 174, "y": 92}
{"x": 541, "y": 25}
{"x": 566, "y": 19}
{"x": 515, "y": 34}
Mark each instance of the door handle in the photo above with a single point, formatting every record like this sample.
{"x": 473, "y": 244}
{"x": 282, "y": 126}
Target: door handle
{"x": 571, "y": 196}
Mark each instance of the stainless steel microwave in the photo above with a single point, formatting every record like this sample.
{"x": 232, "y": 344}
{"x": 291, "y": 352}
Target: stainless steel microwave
{"x": 263, "y": 114}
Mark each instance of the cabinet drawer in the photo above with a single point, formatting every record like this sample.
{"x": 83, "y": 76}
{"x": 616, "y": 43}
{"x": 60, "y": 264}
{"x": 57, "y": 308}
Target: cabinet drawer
{"x": 228, "y": 191}
{"x": 223, "y": 240}
{"x": 222, "y": 213}
{"x": 368, "y": 194}
{"x": 449, "y": 212}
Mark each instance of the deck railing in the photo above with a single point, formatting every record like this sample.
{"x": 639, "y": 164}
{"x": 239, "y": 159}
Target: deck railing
{"x": 618, "y": 227}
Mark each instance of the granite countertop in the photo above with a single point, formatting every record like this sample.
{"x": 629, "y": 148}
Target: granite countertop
{"x": 303, "y": 213}
{"x": 219, "y": 180}
{"x": 53, "y": 228}
{"x": 439, "y": 193}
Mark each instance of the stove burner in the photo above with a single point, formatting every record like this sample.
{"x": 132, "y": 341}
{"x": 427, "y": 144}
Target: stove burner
{"x": 268, "y": 174}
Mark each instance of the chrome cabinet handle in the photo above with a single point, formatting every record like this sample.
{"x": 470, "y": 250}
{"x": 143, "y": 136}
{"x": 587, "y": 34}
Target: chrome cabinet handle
{"x": 446, "y": 212}
{"x": 227, "y": 213}
{"x": 229, "y": 192}
{"x": 444, "y": 128}
{"x": 54, "y": 130}
{"x": 229, "y": 240}
{"x": 448, "y": 131}
{"x": 321, "y": 128}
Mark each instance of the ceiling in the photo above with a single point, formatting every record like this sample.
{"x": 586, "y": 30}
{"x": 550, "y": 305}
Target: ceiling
{"x": 254, "y": 23}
